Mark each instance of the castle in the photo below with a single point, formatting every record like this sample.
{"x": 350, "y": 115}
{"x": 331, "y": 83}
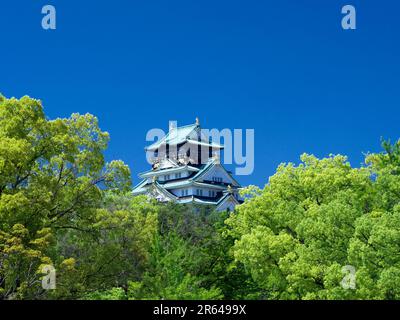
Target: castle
{"x": 186, "y": 168}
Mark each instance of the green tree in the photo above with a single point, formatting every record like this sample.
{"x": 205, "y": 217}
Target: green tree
{"x": 181, "y": 258}
{"x": 52, "y": 177}
{"x": 375, "y": 245}
{"x": 295, "y": 236}
{"x": 113, "y": 250}
{"x": 300, "y": 225}
{"x": 61, "y": 204}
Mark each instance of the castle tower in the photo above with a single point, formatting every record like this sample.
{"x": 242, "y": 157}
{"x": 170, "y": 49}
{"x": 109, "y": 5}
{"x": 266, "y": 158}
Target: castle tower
{"x": 186, "y": 168}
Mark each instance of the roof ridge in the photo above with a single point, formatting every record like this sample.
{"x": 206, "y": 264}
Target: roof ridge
{"x": 174, "y": 134}
{"x": 187, "y": 125}
{"x": 208, "y": 165}
{"x": 223, "y": 198}
{"x": 139, "y": 184}
{"x": 165, "y": 191}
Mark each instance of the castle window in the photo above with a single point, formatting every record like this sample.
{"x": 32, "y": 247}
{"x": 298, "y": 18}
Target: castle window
{"x": 217, "y": 179}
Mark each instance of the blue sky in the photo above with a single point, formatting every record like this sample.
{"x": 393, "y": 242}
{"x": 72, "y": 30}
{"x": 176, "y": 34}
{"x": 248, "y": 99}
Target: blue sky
{"x": 285, "y": 68}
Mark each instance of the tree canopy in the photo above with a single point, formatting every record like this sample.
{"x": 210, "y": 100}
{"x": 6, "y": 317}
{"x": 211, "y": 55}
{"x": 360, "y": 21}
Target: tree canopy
{"x": 52, "y": 178}
{"x": 320, "y": 229}
{"x": 312, "y": 220}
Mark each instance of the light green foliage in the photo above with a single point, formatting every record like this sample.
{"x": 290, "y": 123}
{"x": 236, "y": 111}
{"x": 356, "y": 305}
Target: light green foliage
{"x": 295, "y": 236}
{"x": 114, "y": 248}
{"x": 62, "y": 205}
{"x": 22, "y": 258}
{"x": 52, "y": 177}
{"x": 179, "y": 261}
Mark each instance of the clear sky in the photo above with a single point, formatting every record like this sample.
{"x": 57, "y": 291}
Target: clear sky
{"x": 284, "y": 68}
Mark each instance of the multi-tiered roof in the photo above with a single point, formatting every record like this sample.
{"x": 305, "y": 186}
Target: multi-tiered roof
{"x": 186, "y": 169}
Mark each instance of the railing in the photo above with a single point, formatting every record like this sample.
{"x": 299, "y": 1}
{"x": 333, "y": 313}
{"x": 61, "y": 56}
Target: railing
{"x": 180, "y": 159}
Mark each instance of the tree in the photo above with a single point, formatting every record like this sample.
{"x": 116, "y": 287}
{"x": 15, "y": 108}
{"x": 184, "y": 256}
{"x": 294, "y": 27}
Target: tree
{"x": 375, "y": 245}
{"x": 113, "y": 250}
{"x": 52, "y": 177}
{"x": 181, "y": 257}
{"x": 295, "y": 236}
{"x": 61, "y": 204}
{"x": 300, "y": 225}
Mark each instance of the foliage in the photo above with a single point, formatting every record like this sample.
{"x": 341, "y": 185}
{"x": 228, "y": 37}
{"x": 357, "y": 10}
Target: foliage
{"x": 61, "y": 204}
{"x": 52, "y": 177}
{"x": 181, "y": 257}
{"x": 114, "y": 249}
{"x": 313, "y": 219}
